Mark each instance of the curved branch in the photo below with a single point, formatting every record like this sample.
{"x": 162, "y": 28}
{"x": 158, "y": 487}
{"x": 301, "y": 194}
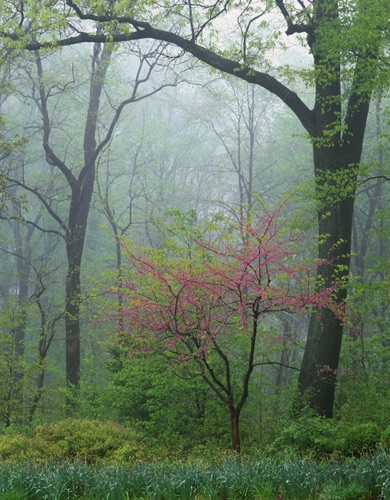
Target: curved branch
{"x": 216, "y": 385}
{"x": 51, "y": 157}
{"x": 374, "y": 177}
{"x": 50, "y": 211}
{"x": 144, "y": 31}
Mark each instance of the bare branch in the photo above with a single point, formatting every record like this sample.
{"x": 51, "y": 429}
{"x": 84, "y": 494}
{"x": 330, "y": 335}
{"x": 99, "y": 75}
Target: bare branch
{"x": 49, "y": 209}
{"x": 374, "y": 177}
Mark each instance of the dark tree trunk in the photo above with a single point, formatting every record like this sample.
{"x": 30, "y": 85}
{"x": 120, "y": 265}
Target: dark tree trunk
{"x": 235, "y": 429}
{"x": 321, "y": 358}
{"x": 72, "y": 308}
{"x": 336, "y": 157}
{"x": 82, "y": 190}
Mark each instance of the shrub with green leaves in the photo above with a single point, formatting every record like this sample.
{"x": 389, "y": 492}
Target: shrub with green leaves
{"x": 362, "y": 438}
{"x": 88, "y": 440}
{"x": 14, "y": 447}
{"x": 313, "y": 436}
{"x": 171, "y": 406}
{"x": 385, "y": 438}
{"x": 318, "y": 437}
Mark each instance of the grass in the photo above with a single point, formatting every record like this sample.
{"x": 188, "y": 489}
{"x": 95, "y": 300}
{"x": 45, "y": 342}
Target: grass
{"x": 233, "y": 478}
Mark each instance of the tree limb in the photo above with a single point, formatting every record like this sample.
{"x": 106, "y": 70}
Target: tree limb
{"x": 145, "y": 31}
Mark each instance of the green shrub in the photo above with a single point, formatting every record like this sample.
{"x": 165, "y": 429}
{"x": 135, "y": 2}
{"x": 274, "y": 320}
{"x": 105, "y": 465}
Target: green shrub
{"x": 362, "y": 438}
{"x": 91, "y": 441}
{"x": 385, "y": 438}
{"x": 128, "y": 452}
{"x": 14, "y": 447}
{"x": 172, "y": 408}
{"x": 314, "y": 436}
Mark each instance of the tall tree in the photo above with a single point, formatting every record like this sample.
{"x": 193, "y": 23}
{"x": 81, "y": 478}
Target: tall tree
{"x": 81, "y": 188}
{"x": 75, "y": 178}
{"x": 345, "y": 40}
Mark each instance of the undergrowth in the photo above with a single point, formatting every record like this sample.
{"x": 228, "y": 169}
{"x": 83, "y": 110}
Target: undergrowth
{"x": 366, "y": 477}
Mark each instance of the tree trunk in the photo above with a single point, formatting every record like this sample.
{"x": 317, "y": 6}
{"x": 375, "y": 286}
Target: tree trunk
{"x": 78, "y": 218}
{"x": 72, "y": 308}
{"x": 235, "y": 429}
{"x": 337, "y": 165}
{"x": 317, "y": 379}
{"x": 82, "y": 191}
{"x": 321, "y": 358}
{"x": 337, "y": 148}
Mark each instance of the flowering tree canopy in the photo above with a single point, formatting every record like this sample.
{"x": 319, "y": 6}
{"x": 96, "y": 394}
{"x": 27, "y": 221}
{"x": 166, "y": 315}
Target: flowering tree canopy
{"x": 194, "y": 298}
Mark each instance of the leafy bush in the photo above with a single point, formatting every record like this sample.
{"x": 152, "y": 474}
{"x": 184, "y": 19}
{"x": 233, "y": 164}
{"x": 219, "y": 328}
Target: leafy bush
{"x": 14, "y": 447}
{"x": 171, "y": 408}
{"x": 385, "y": 438}
{"x": 359, "y": 400}
{"x": 362, "y": 438}
{"x": 318, "y": 437}
{"x": 91, "y": 441}
{"x": 314, "y": 436}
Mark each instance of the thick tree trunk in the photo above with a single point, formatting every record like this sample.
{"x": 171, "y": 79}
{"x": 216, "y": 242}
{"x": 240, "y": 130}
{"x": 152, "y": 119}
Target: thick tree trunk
{"x": 321, "y": 358}
{"x": 337, "y": 148}
{"x": 334, "y": 164}
{"x": 78, "y": 218}
{"x": 77, "y": 228}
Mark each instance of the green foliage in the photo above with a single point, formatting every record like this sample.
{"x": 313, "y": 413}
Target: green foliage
{"x": 16, "y": 446}
{"x": 334, "y": 491}
{"x": 319, "y": 437}
{"x": 169, "y": 405}
{"x": 13, "y": 367}
{"x": 169, "y": 410}
{"x": 363, "y": 393}
{"x": 385, "y": 438}
{"x": 13, "y": 495}
{"x": 363, "y": 403}
{"x": 308, "y": 436}
{"x": 91, "y": 441}
{"x": 231, "y": 477}
{"x": 362, "y": 438}
{"x": 87, "y": 440}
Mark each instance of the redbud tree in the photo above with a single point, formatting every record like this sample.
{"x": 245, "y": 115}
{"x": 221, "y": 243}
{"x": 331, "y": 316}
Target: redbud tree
{"x": 207, "y": 287}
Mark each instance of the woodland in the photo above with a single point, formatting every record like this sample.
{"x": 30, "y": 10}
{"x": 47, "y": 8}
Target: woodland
{"x": 194, "y": 223}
